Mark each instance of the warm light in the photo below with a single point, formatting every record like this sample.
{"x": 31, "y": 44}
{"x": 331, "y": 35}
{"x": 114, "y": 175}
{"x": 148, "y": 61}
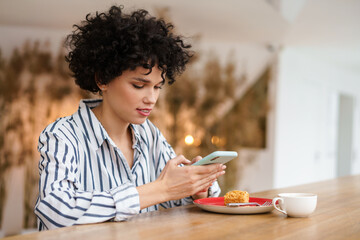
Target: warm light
{"x": 218, "y": 141}
{"x": 215, "y": 140}
{"x": 189, "y": 140}
{"x": 222, "y": 142}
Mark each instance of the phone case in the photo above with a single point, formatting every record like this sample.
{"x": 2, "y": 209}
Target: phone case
{"x": 217, "y": 157}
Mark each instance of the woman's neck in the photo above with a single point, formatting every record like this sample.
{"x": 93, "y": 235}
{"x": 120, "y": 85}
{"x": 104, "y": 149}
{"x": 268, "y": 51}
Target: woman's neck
{"x": 117, "y": 130}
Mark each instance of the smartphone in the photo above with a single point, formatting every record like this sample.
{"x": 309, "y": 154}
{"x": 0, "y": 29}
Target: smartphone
{"x": 217, "y": 157}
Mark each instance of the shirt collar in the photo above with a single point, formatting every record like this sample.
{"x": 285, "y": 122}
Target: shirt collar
{"x": 135, "y": 136}
{"x": 94, "y": 130}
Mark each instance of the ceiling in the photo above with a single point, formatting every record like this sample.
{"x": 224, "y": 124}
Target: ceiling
{"x": 324, "y": 23}
{"x": 232, "y": 20}
{"x": 336, "y": 21}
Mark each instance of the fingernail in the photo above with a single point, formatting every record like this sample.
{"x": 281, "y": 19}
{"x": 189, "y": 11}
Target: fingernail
{"x": 223, "y": 167}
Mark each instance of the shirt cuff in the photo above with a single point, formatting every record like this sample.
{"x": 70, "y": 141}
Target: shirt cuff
{"x": 214, "y": 190}
{"x": 127, "y": 201}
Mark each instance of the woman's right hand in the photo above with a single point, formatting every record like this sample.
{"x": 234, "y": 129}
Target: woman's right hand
{"x": 178, "y": 182}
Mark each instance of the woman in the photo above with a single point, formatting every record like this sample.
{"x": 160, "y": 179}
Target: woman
{"x": 107, "y": 161}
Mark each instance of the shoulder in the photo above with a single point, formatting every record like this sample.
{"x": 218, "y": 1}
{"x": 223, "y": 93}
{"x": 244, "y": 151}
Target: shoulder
{"x": 60, "y": 128}
{"x": 55, "y": 126}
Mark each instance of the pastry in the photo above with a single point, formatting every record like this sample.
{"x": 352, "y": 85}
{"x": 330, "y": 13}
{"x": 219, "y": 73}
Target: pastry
{"x": 236, "y": 196}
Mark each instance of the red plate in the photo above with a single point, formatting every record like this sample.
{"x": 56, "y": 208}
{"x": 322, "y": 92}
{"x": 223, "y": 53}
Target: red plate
{"x": 216, "y": 204}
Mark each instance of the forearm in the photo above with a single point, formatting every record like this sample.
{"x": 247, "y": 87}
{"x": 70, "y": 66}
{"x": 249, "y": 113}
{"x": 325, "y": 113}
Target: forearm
{"x": 151, "y": 194}
{"x": 155, "y": 193}
{"x": 63, "y": 208}
{"x": 66, "y": 207}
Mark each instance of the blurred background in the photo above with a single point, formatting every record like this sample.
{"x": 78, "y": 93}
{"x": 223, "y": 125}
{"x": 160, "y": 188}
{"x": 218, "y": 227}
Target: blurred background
{"x": 278, "y": 81}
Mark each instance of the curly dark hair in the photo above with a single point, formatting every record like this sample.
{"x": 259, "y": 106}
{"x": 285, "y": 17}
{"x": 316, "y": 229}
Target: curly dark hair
{"x": 105, "y": 45}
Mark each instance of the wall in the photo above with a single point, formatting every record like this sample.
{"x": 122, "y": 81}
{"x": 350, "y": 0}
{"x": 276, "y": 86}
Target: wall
{"x": 15, "y": 36}
{"x": 308, "y": 86}
{"x": 257, "y": 165}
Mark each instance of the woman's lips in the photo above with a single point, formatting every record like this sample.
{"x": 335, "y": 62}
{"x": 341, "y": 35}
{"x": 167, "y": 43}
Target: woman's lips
{"x": 144, "y": 111}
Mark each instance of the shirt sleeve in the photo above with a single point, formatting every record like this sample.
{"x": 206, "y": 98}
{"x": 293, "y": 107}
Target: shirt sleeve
{"x": 165, "y": 153}
{"x": 61, "y": 203}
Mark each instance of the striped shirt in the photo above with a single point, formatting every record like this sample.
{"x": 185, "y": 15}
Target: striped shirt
{"x": 85, "y": 178}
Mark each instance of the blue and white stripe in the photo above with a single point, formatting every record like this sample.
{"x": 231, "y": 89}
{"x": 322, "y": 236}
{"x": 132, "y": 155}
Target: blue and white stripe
{"x": 84, "y": 177}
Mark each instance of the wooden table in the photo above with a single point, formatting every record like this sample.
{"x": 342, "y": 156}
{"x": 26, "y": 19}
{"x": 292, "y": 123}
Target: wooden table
{"x": 337, "y": 217}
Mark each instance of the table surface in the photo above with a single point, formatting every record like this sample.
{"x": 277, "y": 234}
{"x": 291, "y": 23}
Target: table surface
{"x": 337, "y": 216}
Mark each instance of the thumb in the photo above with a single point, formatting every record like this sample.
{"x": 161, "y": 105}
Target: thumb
{"x": 179, "y": 160}
{"x": 197, "y": 158}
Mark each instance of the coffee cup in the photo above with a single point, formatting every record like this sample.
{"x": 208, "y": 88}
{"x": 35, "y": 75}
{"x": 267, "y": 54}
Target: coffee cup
{"x": 296, "y": 204}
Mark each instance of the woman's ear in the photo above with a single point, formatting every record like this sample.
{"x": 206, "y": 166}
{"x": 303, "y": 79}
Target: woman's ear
{"x": 102, "y": 87}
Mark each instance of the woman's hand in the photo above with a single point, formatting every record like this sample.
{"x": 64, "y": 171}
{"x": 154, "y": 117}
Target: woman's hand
{"x": 179, "y": 182}
{"x": 203, "y": 193}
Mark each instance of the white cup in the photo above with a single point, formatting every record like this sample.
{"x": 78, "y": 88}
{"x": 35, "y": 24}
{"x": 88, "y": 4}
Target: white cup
{"x": 296, "y": 204}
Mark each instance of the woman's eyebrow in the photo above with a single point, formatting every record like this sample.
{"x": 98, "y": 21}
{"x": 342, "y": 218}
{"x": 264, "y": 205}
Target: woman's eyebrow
{"x": 147, "y": 81}
{"x": 141, "y": 80}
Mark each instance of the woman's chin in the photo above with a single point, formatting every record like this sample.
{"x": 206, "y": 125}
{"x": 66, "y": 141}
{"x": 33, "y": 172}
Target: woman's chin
{"x": 139, "y": 121}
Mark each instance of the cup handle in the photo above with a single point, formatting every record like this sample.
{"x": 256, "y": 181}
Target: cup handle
{"x": 274, "y": 204}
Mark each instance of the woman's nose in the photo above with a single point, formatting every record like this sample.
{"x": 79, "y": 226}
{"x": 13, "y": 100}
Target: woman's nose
{"x": 151, "y": 97}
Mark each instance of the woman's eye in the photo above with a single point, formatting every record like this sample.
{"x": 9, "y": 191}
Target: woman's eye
{"x": 138, "y": 86}
{"x": 160, "y": 85}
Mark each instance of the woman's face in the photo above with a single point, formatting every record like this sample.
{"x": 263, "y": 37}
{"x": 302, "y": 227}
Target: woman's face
{"x": 131, "y": 96}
